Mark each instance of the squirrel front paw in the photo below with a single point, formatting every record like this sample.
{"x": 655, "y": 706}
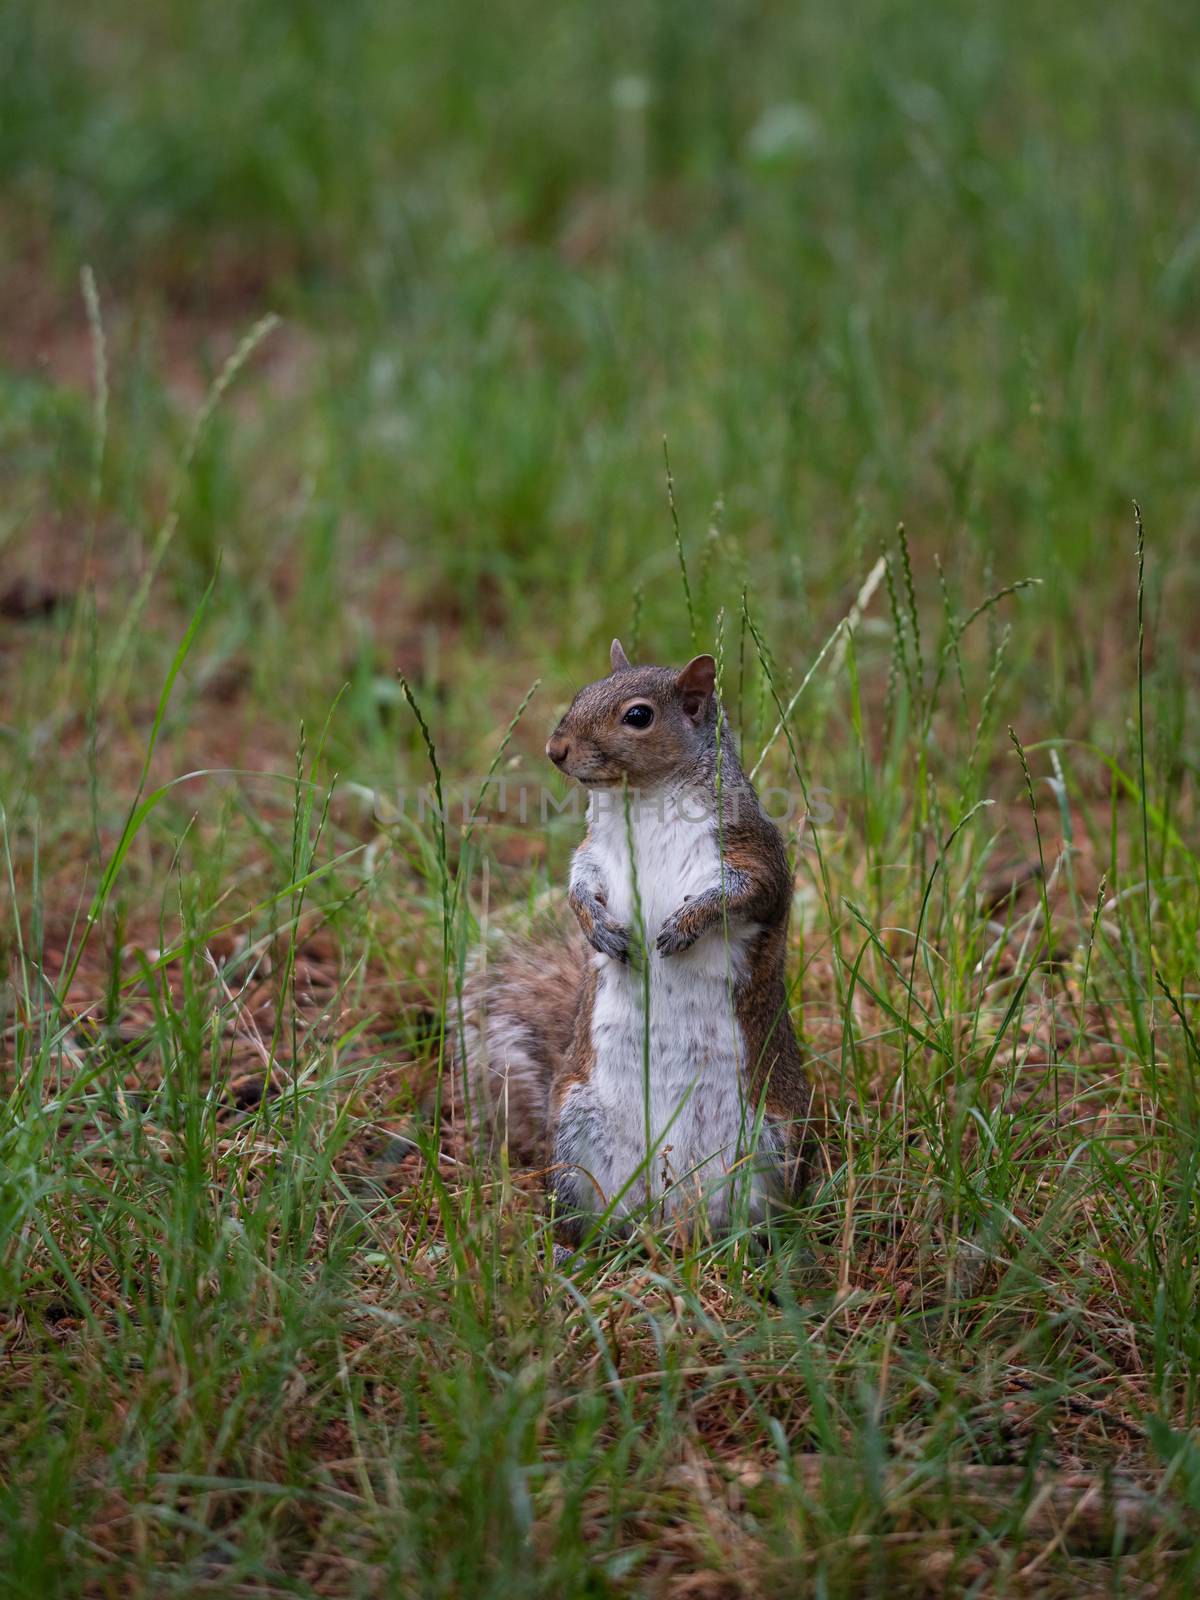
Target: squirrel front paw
{"x": 678, "y": 933}
{"x": 610, "y": 938}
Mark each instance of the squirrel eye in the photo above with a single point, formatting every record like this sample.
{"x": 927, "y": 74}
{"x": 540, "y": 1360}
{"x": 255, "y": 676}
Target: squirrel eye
{"x": 639, "y": 716}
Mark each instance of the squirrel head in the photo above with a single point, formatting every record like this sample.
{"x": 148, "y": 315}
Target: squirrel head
{"x": 644, "y": 724}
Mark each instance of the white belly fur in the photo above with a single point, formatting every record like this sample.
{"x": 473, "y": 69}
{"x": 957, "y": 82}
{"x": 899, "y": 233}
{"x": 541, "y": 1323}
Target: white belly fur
{"x": 699, "y": 1122}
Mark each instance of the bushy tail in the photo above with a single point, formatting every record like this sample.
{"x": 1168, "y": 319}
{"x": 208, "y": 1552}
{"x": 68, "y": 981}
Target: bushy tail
{"x": 517, "y": 1016}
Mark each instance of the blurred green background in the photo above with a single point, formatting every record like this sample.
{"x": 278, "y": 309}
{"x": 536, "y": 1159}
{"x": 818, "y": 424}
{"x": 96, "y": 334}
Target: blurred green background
{"x": 859, "y": 263}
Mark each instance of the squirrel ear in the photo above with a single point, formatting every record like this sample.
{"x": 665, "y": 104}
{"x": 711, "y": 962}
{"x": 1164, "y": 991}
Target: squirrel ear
{"x": 620, "y": 661}
{"x": 695, "y": 683}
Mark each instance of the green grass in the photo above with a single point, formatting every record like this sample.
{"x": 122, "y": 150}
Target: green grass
{"x": 266, "y": 1330}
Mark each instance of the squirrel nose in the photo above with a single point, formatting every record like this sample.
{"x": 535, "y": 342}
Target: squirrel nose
{"x": 558, "y": 749}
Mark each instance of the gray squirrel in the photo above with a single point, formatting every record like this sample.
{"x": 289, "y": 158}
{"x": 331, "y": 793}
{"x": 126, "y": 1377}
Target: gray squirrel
{"x": 681, "y": 892}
